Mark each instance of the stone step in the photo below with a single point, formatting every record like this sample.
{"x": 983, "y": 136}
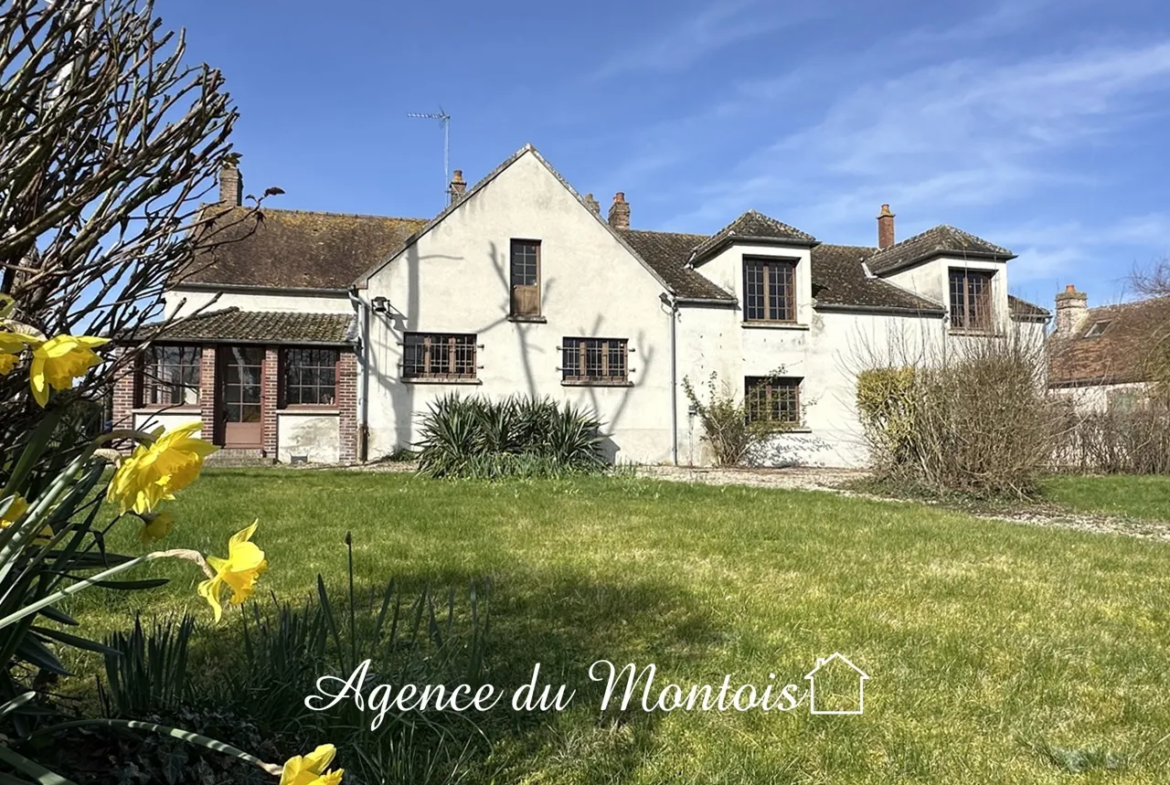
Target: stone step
{"x": 236, "y": 456}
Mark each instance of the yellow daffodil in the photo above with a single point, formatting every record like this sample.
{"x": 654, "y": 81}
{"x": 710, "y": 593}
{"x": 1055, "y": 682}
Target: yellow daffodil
{"x": 239, "y": 571}
{"x": 155, "y": 526}
{"x": 310, "y": 769}
{"x": 12, "y": 344}
{"x": 154, "y": 472}
{"x": 17, "y": 508}
{"x": 58, "y": 361}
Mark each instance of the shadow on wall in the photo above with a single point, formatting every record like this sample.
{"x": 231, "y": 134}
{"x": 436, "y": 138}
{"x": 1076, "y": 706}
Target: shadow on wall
{"x": 403, "y": 396}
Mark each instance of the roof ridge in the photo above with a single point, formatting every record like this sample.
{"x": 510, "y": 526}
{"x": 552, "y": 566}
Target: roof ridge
{"x": 340, "y": 214}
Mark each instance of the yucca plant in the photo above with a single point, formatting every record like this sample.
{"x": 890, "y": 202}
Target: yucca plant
{"x": 511, "y": 437}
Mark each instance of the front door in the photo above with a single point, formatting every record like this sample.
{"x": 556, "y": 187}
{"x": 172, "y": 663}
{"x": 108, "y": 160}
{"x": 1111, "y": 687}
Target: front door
{"x": 240, "y": 373}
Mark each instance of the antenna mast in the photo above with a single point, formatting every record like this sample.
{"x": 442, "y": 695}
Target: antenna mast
{"x": 445, "y": 119}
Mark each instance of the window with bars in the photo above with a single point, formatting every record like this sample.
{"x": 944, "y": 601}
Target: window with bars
{"x": 971, "y": 300}
{"x": 525, "y": 277}
{"x": 169, "y": 376}
{"x": 769, "y": 399}
{"x": 438, "y": 356}
{"x": 595, "y": 360}
{"x": 310, "y": 376}
{"x": 769, "y": 290}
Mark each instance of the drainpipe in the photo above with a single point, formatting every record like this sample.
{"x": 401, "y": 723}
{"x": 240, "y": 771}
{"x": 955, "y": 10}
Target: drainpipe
{"x": 672, "y": 303}
{"x": 363, "y": 317}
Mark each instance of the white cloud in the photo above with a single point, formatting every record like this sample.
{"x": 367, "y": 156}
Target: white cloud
{"x": 716, "y": 26}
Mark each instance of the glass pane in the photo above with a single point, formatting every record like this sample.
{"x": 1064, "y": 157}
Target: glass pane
{"x": 250, "y": 413}
{"x": 251, "y": 394}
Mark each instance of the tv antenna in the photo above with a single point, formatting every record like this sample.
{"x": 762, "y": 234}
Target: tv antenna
{"x": 445, "y": 119}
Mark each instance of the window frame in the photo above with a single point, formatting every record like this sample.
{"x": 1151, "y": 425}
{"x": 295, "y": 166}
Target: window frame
{"x": 283, "y": 367}
{"x": 142, "y": 386}
{"x": 469, "y": 340}
{"x": 528, "y": 243}
{"x": 772, "y": 383}
{"x": 987, "y": 312}
{"x": 581, "y": 349}
{"x": 789, "y": 303}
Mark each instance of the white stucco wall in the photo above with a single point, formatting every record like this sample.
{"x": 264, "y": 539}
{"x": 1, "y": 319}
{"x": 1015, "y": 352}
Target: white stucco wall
{"x": 1095, "y": 398}
{"x": 315, "y": 435}
{"x": 254, "y": 301}
{"x": 147, "y": 420}
{"x": 827, "y": 356}
{"x": 455, "y": 279}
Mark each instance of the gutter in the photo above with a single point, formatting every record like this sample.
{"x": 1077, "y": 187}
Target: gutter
{"x": 672, "y": 303}
{"x": 932, "y": 313}
{"x": 363, "y": 320}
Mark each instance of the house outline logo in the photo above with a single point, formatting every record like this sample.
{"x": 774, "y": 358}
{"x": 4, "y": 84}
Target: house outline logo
{"x": 862, "y": 676}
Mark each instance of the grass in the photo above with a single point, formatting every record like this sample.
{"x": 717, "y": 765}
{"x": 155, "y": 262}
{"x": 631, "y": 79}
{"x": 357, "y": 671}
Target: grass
{"x": 1131, "y": 496}
{"x": 990, "y": 645}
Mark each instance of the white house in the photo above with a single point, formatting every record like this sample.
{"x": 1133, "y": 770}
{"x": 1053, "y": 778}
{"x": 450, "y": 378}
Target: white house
{"x": 331, "y": 333}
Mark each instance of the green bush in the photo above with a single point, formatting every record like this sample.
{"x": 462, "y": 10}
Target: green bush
{"x": 514, "y": 437}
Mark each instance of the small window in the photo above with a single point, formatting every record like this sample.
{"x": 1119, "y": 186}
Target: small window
{"x": 1097, "y": 329}
{"x": 525, "y": 278}
{"x": 169, "y": 376}
{"x": 769, "y": 290}
{"x": 438, "y": 356}
{"x": 310, "y": 377}
{"x": 971, "y": 300}
{"x": 595, "y": 361}
{"x": 769, "y": 399}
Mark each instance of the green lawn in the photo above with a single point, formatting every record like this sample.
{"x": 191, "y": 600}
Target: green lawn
{"x": 1135, "y": 497}
{"x": 984, "y": 640}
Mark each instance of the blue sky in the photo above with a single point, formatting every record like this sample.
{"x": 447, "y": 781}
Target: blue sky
{"x": 1038, "y": 124}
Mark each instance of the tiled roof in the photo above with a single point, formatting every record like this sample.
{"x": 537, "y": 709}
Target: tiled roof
{"x": 1120, "y": 350}
{"x": 931, "y": 243}
{"x": 236, "y": 326}
{"x": 753, "y": 226}
{"x": 1024, "y": 311}
{"x": 839, "y": 280}
{"x": 667, "y": 253}
{"x": 297, "y": 249}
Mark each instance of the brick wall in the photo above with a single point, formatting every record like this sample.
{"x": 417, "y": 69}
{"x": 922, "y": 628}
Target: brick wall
{"x": 207, "y": 392}
{"x": 269, "y": 399}
{"x": 125, "y": 397}
{"x": 347, "y": 394}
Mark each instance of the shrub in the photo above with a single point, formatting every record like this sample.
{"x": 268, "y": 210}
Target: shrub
{"x": 514, "y": 437}
{"x": 723, "y": 416}
{"x": 975, "y": 422}
{"x": 1120, "y": 440}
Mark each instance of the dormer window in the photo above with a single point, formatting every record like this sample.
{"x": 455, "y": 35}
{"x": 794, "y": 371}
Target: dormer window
{"x": 769, "y": 290}
{"x": 971, "y": 300}
{"x": 1097, "y": 329}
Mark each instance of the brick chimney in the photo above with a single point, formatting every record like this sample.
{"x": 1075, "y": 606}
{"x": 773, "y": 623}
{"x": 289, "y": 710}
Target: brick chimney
{"x": 231, "y": 186}
{"x": 1071, "y": 309}
{"x": 619, "y": 212}
{"x": 593, "y": 205}
{"x": 458, "y": 186}
{"x": 885, "y": 221}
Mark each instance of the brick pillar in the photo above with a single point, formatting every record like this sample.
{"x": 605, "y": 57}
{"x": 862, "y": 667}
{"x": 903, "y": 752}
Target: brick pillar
{"x": 207, "y": 385}
{"x": 269, "y": 399}
{"x": 347, "y": 399}
{"x": 125, "y": 397}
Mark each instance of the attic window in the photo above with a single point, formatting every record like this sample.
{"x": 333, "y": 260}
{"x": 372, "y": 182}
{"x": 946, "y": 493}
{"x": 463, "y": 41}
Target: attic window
{"x": 1097, "y": 329}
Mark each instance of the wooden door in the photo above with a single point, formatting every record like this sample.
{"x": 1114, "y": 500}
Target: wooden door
{"x": 241, "y": 373}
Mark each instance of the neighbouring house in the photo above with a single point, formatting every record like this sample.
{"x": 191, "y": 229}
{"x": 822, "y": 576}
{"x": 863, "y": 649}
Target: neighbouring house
{"x": 1106, "y": 357}
{"x": 329, "y": 334}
